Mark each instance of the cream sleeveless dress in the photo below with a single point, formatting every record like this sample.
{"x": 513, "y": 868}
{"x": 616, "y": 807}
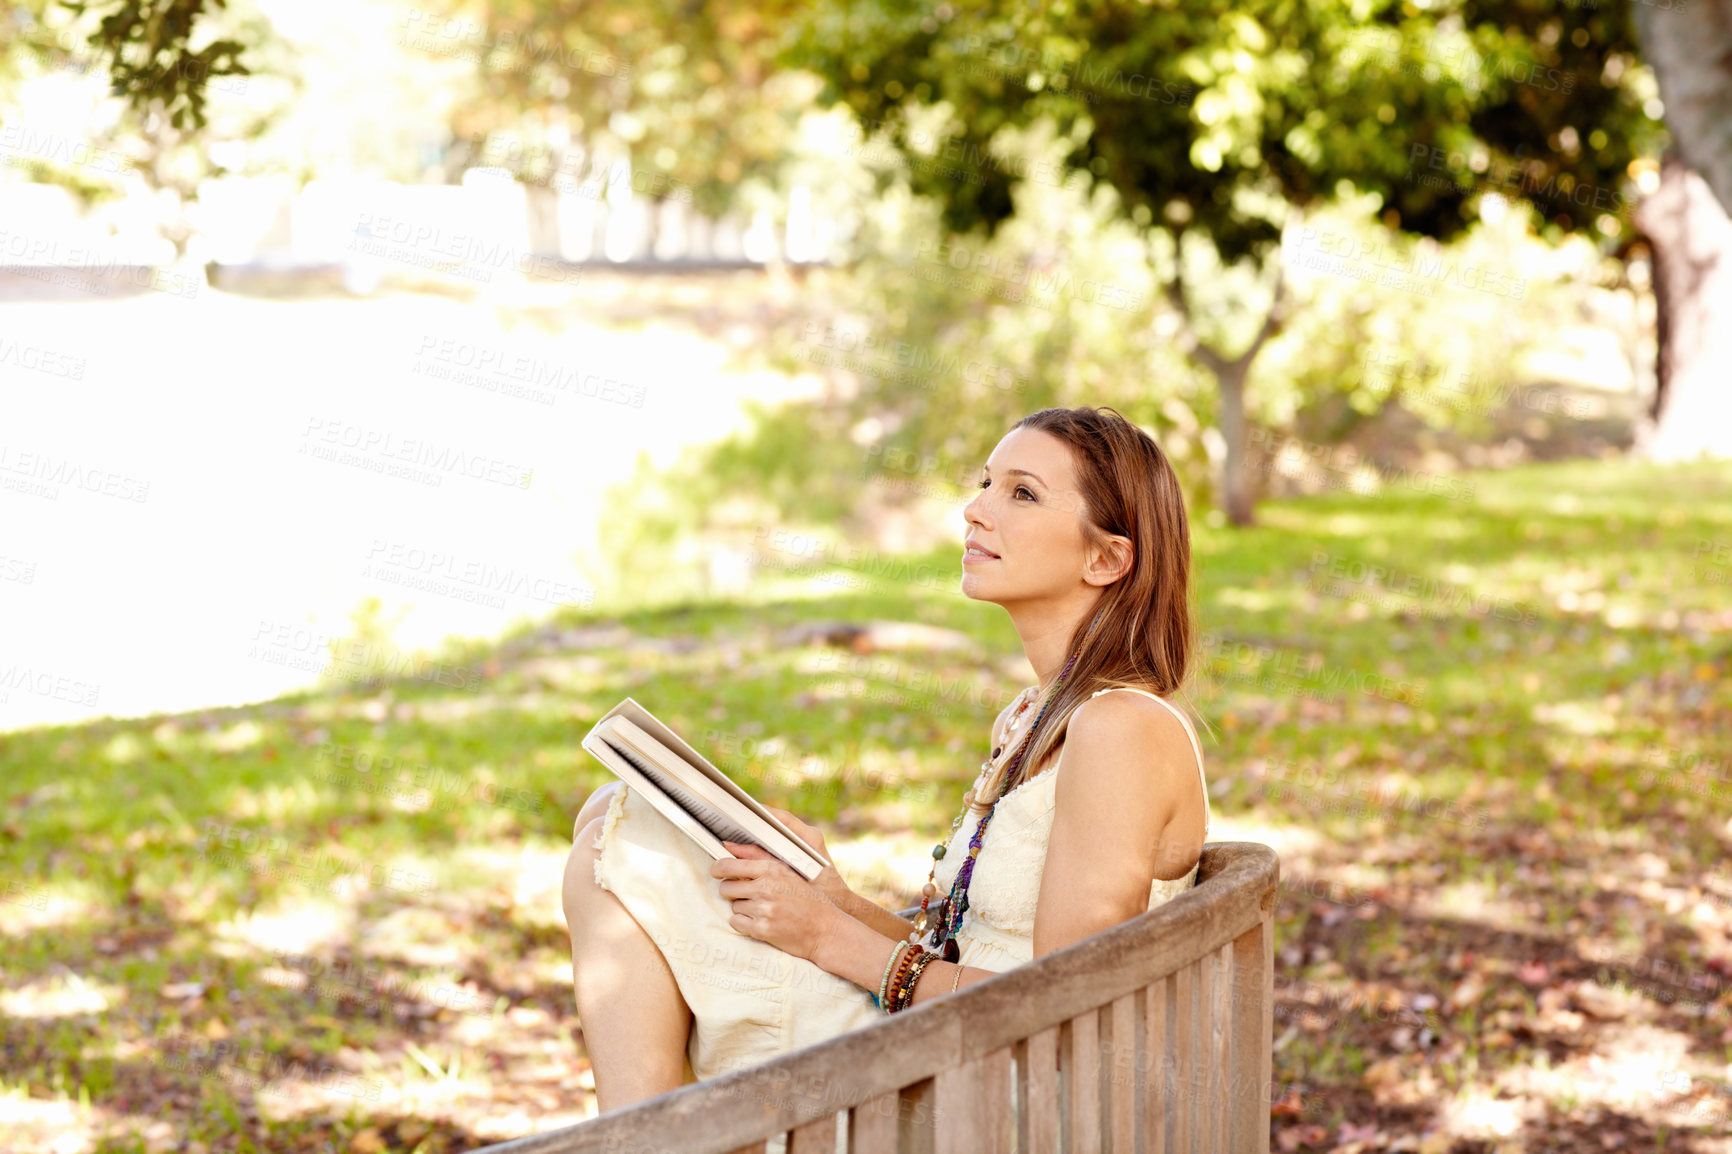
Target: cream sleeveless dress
{"x": 751, "y": 1001}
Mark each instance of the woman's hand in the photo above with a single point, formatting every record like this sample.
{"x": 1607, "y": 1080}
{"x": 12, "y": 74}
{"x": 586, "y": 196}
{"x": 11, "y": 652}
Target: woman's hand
{"x": 773, "y": 903}
{"x": 829, "y": 881}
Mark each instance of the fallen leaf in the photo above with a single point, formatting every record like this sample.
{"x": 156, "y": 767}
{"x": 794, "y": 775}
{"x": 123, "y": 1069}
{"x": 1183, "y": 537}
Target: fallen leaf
{"x": 1351, "y": 1133}
{"x": 1601, "y": 1002}
{"x": 1469, "y": 992}
{"x": 1380, "y": 1074}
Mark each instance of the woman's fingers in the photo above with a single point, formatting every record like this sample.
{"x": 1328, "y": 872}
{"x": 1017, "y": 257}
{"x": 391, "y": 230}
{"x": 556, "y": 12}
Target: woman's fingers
{"x": 738, "y": 867}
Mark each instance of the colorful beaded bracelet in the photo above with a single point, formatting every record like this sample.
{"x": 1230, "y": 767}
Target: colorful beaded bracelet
{"x": 902, "y": 947}
{"x": 897, "y": 962}
{"x": 899, "y": 975}
{"x": 904, "y": 995}
{"x": 902, "y": 992}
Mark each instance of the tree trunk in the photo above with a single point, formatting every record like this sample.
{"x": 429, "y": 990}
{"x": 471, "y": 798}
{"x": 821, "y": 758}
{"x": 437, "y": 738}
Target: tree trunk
{"x": 1238, "y": 495}
{"x": 1691, "y": 239}
{"x": 1689, "y": 47}
{"x": 1238, "y": 487}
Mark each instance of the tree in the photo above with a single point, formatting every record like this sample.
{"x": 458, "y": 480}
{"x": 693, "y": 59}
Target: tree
{"x": 685, "y": 87}
{"x": 147, "y": 46}
{"x": 1215, "y": 130}
{"x": 163, "y": 58}
{"x": 1686, "y": 224}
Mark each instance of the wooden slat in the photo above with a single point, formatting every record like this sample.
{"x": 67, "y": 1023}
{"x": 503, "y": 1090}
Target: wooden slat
{"x": 1184, "y": 1059}
{"x": 916, "y": 1120}
{"x": 743, "y": 1106}
{"x": 1084, "y": 1081}
{"x": 1211, "y": 1032}
{"x": 1223, "y": 1077}
{"x": 1154, "y": 1111}
{"x": 815, "y": 1137}
{"x": 1207, "y": 1079}
{"x": 1253, "y": 1040}
{"x": 1043, "y": 1093}
{"x": 872, "y": 1125}
{"x": 974, "y": 1105}
{"x": 1124, "y": 1025}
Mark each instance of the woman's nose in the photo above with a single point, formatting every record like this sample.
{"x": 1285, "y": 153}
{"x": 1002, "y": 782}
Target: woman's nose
{"x": 971, "y": 512}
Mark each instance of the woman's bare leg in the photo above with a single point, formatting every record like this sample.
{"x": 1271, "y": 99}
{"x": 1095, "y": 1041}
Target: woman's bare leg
{"x": 635, "y": 1022}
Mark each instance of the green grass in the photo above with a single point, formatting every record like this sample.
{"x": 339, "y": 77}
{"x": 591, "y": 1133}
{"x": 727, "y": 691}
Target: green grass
{"x": 1563, "y": 647}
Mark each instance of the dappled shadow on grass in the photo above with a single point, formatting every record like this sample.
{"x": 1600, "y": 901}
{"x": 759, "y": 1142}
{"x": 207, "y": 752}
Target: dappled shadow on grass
{"x": 293, "y": 1045}
{"x": 1403, "y": 1024}
{"x": 1534, "y": 979}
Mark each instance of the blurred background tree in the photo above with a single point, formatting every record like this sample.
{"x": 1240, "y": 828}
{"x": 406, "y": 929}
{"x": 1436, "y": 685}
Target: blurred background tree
{"x": 1686, "y": 223}
{"x": 166, "y": 60}
{"x": 687, "y": 93}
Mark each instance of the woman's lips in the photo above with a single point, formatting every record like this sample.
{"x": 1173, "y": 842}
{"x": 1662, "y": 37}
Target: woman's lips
{"x": 969, "y": 556}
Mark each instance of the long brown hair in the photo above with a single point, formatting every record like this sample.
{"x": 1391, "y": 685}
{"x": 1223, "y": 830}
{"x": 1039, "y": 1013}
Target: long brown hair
{"x": 1146, "y": 632}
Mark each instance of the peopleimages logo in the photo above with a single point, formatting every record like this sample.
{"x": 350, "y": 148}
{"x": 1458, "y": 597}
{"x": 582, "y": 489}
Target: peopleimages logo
{"x": 385, "y": 445}
{"x": 1425, "y": 266}
{"x": 43, "y": 473}
{"x": 37, "y": 359}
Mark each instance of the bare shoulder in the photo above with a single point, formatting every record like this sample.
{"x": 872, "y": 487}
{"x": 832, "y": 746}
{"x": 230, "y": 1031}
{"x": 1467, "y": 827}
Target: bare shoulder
{"x": 1127, "y": 735}
{"x": 1128, "y": 788}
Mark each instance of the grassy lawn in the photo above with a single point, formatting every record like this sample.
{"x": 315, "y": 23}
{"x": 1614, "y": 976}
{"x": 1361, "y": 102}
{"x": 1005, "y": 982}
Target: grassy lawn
{"x": 1490, "y": 739}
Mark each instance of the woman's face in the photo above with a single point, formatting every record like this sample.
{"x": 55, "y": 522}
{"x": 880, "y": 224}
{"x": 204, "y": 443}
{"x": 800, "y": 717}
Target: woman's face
{"x": 1028, "y": 515}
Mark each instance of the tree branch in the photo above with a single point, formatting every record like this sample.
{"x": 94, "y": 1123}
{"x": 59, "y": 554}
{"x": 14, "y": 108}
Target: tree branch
{"x": 1276, "y": 319}
{"x": 1190, "y": 343}
{"x": 1193, "y": 346}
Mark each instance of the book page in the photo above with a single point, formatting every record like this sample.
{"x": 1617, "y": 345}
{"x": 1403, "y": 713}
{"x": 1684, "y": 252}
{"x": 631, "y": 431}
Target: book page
{"x": 721, "y": 810}
{"x": 702, "y": 812}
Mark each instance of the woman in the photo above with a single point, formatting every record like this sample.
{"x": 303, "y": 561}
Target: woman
{"x": 685, "y": 965}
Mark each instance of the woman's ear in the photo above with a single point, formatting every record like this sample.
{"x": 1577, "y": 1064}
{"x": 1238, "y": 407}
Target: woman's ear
{"x": 1109, "y": 560}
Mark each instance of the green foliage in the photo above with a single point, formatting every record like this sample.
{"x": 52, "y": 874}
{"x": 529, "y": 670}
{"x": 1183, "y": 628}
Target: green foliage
{"x": 148, "y": 46}
{"x": 366, "y": 653}
{"x": 688, "y": 90}
{"x": 1196, "y": 119}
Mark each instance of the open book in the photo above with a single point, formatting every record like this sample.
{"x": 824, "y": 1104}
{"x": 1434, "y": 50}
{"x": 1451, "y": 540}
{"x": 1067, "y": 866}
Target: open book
{"x": 690, "y": 792}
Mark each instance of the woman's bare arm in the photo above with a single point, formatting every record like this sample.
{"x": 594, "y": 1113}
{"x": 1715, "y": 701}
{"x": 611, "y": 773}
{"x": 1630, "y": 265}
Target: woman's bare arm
{"x": 858, "y": 953}
{"x": 876, "y": 916}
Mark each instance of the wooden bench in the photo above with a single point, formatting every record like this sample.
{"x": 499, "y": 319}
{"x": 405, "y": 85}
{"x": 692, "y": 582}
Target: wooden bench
{"x": 1154, "y": 1035}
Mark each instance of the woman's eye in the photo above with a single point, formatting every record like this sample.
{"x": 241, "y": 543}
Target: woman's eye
{"x": 1015, "y": 491}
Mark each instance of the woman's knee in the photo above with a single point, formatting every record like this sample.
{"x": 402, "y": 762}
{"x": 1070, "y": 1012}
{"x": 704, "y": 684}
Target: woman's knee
{"x": 595, "y": 805}
{"x": 580, "y": 879}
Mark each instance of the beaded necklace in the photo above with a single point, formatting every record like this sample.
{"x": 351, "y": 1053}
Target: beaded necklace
{"x": 955, "y": 904}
